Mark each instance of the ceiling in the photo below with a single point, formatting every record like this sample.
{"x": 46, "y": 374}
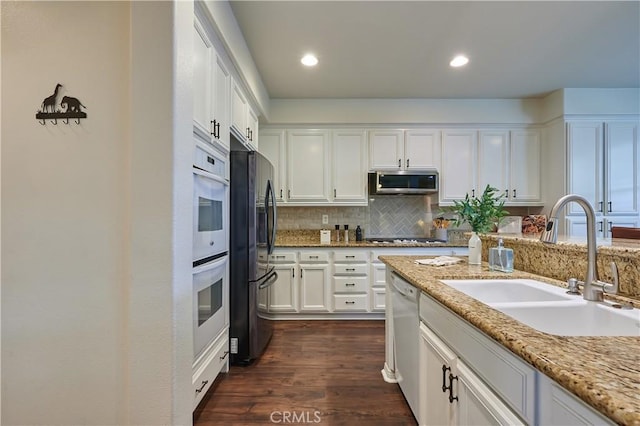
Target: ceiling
{"x": 397, "y": 49}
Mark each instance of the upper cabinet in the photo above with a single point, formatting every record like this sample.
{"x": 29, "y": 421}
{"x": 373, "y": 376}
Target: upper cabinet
{"x": 602, "y": 166}
{"x": 317, "y": 167}
{"x": 244, "y": 120}
{"x": 458, "y": 173}
{"x": 508, "y": 160}
{"x": 404, "y": 150}
{"x": 211, "y": 90}
{"x": 348, "y": 166}
{"x": 307, "y": 166}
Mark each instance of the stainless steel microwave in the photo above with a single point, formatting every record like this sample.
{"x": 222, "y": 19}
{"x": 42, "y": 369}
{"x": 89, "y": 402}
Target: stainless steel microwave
{"x": 403, "y": 182}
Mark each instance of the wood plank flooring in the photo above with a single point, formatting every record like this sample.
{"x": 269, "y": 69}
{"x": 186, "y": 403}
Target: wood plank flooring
{"x": 313, "y": 372}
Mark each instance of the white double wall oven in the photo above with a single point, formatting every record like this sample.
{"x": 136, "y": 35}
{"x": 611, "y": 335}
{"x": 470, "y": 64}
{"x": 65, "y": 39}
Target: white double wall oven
{"x": 210, "y": 245}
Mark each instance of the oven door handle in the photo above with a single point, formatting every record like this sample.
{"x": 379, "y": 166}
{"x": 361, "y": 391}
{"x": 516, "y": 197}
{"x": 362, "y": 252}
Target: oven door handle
{"x": 216, "y": 263}
{"x": 209, "y": 175}
{"x": 270, "y": 280}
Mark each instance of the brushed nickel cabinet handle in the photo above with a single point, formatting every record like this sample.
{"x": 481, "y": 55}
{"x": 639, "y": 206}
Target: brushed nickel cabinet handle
{"x": 204, "y": 383}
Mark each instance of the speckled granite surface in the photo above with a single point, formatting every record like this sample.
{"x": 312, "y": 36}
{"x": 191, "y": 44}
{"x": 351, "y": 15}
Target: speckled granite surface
{"x": 602, "y": 371}
{"x": 311, "y": 238}
{"x": 568, "y": 258}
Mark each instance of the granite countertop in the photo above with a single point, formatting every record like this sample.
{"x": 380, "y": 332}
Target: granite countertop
{"x": 602, "y": 371}
{"x": 311, "y": 238}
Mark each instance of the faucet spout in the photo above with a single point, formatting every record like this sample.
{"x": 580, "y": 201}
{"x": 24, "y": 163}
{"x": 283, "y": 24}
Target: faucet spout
{"x": 592, "y": 287}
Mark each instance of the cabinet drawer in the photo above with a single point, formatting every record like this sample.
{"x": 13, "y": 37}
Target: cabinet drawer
{"x": 339, "y": 256}
{"x": 346, "y": 269}
{"x": 348, "y": 302}
{"x": 350, "y": 284}
{"x": 314, "y": 257}
{"x": 282, "y": 258}
{"x": 207, "y": 367}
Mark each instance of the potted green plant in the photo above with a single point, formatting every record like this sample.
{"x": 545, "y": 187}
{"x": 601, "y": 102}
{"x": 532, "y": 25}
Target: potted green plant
{"x": 481, "y": 213}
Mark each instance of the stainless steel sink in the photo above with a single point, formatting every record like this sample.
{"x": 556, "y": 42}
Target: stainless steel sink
{"x": 549, "y": 309}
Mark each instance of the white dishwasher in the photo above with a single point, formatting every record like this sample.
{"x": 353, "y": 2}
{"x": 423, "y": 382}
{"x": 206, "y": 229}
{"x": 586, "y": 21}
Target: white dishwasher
{"x": 406, "y": 331}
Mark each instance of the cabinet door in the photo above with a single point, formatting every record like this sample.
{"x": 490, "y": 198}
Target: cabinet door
{"x": 386, "y": 150}
{"x": 283, "y": 293}
{"x": 493, "y": 158}
{"x": 422, "y": 149}
{"x": 252, "y": 128}
{"x": 349, "y": 152}
{"x": 307, "y": 166}
{"x": 272, "y": 146}
{"x": 436, "y": 360}
{"x": 524, "y": 166}
{"x": 623, "y": 221}
{"x": 576, "y": 226}
{"x": 457, "y": 177}
{"x": 263, "y": 294}
{"x": 477, "y": 405}
{"x": 314, "y": 288}
{"x": 238, "y": 110}
{"x": 621, "y": 142}
{"x": 202, "y": 52}
{"x": 220, "y": 100}
{"x": 585, "y": 164}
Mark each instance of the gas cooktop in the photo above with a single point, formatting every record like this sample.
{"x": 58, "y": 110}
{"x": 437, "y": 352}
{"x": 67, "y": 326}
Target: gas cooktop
{"x": 403, "y": 240}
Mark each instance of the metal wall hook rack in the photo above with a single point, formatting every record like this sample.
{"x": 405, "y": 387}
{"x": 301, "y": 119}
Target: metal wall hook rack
{"x": 48, "y": 109}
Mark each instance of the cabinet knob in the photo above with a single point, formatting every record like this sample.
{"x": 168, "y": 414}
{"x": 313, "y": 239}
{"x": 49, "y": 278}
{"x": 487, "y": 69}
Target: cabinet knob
{"x": 399, "y": 162}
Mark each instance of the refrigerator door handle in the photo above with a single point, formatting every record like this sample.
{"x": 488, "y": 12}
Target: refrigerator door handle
{"x": 271, "y": 279}
{"x": 270, "y": 198}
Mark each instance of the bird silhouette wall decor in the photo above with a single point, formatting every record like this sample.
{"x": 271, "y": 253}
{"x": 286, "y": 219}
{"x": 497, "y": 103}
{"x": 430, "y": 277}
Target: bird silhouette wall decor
{"x": 51, "y": 109}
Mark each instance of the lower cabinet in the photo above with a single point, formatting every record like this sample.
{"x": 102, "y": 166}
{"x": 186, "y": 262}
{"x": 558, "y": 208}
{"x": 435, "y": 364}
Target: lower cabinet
{"x": 283, "y": 294}
{"x": 451, "y": 393}
{"x": 315, "y": 294}
{"x": 213, "y": 360}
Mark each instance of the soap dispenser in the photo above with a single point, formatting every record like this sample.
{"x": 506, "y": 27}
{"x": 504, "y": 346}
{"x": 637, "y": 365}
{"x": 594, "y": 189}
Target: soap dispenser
{"x": 501, "y": 258}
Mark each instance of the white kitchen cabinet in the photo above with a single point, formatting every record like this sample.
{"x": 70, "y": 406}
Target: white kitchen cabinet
{"x": 422, "y": 149}
{"x": 400, "y": 150}
{"x": 386, "y": 149}
{"x": 602, "y": 166}
{"x": 307, "y": 166}
{"x": 213, "y": 360}
{"x": 510, "y": 162}
{"x": 436, "y": 360}
{"x": 315, "y": 292}
{"x": 273, "y": 147}
{"x": 244, "y": 120}
{"x": 283, "y": 294}
{"x": 349, "y": 166}
{"x": 211, "y": 90}
{"x": 524, "y": 167}
{"x": 559, "y": 407}
{"x": 351, "y": 280}
{"x": 459, "y": 165}
{"x": 576, "y": 226}
{"x": 451, "y": 393}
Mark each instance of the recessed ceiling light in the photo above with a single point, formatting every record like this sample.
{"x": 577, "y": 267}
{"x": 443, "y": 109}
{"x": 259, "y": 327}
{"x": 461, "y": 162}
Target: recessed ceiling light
{"x": 459, "y": 61}
{"x": 309, "y": 60}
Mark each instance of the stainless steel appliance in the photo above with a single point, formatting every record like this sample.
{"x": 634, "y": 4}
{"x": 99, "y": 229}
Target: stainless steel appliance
{"x": 403, "y": 182}
{"x": 210, "y": 202}
{"x": 253, "y": 231}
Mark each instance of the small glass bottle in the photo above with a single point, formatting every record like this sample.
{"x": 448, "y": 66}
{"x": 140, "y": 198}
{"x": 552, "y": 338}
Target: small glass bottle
{"x": 337, "y": 233}
{"x": 346, "y": 233}
{"x": 501, "y": 258}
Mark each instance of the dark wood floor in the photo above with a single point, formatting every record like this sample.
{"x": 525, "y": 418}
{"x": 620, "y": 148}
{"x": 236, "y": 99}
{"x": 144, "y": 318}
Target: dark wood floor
{"x": 314, "y": 372}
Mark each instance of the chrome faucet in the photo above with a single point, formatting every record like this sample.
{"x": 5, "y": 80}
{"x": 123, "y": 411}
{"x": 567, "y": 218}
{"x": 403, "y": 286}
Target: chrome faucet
{"x": 592, "y": 287}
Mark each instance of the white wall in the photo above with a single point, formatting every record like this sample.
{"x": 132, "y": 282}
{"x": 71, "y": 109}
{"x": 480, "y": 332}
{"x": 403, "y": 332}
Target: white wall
{"x": 403, "y": 111}
{"x": 602, "y": 101}
{"x": 96, "y": 325}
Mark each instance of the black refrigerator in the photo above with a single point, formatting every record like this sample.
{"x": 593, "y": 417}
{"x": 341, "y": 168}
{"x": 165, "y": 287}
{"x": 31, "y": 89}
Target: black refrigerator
{"x": 252, "y": 237}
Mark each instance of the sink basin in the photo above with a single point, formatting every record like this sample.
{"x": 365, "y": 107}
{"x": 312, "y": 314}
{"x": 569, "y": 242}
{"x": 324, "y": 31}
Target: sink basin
{"x": 550, "y": 309}
{"x": 577, "y": 319}
{"x": 513, "y": 290}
